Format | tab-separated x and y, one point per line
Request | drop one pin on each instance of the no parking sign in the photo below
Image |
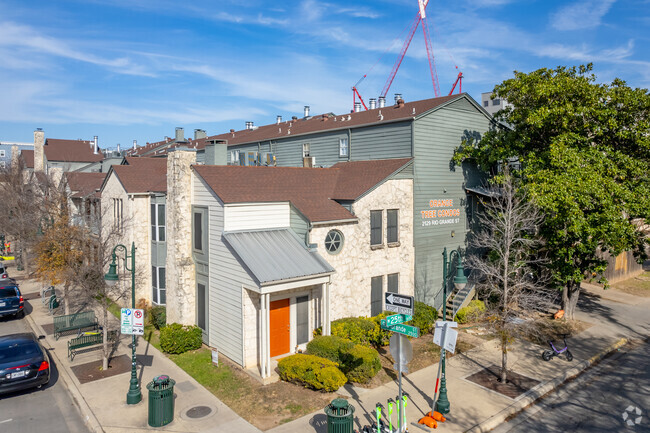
132	320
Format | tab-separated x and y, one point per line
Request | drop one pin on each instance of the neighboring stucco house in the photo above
133	208
278	252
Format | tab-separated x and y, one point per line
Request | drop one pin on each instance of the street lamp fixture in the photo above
442	404
134	395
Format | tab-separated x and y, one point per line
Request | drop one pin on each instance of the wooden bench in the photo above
74	322
88	339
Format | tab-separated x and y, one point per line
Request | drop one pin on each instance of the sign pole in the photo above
400	402
442	353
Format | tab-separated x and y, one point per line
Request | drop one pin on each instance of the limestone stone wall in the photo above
136	228
39	151
357	263
181	280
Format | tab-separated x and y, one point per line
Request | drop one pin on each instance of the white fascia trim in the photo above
293	284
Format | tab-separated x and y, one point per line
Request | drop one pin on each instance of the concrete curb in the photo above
91	420
541	390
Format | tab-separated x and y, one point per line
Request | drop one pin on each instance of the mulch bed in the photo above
515	385
93	370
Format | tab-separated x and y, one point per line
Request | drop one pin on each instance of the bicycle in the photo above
548	354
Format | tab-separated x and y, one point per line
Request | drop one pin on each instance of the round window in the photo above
334	241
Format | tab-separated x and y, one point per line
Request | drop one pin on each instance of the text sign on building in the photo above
397	318
436	216
400	328
132	321
397	303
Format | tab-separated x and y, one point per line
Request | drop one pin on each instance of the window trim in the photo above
204	230
344	153
341	244
306	147
381	294
155	226
388	278
155	285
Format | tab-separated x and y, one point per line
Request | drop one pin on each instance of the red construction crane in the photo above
420	17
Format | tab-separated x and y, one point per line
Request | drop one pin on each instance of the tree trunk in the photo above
570	295
504	358
105	338
66	302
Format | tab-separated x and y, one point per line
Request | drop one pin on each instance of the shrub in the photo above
360	363
176	338
380	337
359	330
312	372
471	312
424	317
329	347
158	316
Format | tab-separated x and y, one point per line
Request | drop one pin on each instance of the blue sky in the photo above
136	69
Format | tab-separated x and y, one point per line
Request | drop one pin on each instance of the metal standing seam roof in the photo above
277	255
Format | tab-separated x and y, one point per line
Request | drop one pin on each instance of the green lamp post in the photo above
134	395
442	404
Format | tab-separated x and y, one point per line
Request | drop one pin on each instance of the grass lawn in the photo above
637	286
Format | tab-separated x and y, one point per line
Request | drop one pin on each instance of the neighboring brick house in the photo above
133	206
278	252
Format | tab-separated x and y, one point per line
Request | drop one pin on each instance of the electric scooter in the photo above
548	354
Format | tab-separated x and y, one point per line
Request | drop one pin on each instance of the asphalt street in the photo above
612	397
49	409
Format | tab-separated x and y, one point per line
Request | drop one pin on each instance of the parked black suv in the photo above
11	301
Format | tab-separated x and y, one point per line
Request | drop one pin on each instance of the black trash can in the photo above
339	416
161	401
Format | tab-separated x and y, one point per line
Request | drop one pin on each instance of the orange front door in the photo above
279	329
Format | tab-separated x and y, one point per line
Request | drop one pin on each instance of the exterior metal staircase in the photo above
459	299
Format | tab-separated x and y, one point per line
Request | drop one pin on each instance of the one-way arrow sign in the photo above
397	303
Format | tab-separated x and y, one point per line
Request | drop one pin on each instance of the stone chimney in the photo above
14	156
39	150
181	283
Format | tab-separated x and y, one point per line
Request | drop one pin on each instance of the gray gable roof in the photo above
276	256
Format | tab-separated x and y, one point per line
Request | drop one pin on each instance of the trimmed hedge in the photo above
362	330
158	316
359	363
312	372
424	317
380	337
176	338
471	312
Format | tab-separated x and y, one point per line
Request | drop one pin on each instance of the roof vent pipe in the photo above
382	101
306	110
373	103
398	96
357	107
135	144
278	119
95	144
249	125
118	148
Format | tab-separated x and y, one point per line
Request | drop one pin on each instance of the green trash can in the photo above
339	416
161	401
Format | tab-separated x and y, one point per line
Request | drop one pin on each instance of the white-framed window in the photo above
334	241
234	157
302	319
305	150
343	146
159	295
158	233
118	214
2	153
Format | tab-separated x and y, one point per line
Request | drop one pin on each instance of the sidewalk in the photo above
473	408
103	402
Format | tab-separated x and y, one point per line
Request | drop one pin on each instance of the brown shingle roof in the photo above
85	184
28	157
70	151
143	175
312	191
390	113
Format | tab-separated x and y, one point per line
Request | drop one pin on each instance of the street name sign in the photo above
132	321
397	318
410	331
446	336
397	303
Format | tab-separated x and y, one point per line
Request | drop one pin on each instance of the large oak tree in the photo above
584	150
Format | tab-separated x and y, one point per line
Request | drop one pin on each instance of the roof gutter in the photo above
291	280
323	223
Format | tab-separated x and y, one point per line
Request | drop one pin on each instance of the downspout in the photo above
349	144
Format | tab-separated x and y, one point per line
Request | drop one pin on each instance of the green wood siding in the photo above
299	224
392	140
436	135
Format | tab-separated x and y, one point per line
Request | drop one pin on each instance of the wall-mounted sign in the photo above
436	216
